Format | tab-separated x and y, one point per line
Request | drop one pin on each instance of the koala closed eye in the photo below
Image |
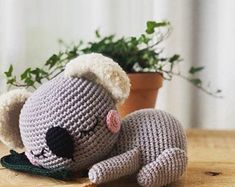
91	127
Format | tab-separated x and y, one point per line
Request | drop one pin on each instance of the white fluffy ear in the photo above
11	104
102	70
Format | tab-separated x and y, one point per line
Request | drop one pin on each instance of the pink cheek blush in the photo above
113	121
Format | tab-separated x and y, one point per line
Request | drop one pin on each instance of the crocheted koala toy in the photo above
71	123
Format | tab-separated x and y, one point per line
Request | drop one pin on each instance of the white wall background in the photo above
203	34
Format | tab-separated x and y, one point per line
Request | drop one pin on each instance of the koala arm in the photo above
113	168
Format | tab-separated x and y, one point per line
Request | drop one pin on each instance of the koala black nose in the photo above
60	142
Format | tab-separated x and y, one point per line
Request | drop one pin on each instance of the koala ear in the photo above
11	104
102	70
113	121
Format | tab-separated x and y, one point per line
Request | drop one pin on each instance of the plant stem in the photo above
199	86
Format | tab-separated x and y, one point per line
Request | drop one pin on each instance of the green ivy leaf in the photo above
9	72
26	74
151	25
72	54
163	59
194	70
35	71
174	58
11	80
39	74
97	33
52	61
29	82
196	81
143	39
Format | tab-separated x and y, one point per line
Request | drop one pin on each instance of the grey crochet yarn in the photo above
152	144
77	105
71	122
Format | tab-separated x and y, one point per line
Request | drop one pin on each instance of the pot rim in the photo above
145	81
144	73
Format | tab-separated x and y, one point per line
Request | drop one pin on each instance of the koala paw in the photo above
95	175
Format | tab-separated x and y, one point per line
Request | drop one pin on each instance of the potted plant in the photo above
141	57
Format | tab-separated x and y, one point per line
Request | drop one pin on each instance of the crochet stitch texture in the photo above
74	104
71	123
151	143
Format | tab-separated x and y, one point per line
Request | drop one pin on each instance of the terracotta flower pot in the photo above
143	94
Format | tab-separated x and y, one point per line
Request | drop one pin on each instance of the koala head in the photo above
71	121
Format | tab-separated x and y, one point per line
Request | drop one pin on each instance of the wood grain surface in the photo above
211	164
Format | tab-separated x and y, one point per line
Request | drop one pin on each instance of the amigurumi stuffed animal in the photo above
71	123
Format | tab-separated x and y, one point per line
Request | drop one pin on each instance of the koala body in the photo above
152	132
71	122
151	143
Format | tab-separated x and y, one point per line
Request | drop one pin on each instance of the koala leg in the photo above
115	167
167	168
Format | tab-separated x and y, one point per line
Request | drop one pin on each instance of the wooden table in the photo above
211	163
